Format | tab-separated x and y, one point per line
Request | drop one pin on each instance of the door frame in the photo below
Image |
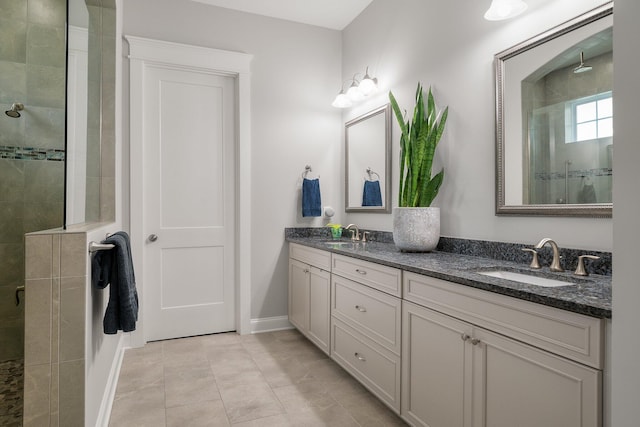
145	52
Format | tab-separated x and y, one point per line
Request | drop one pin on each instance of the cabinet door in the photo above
518	385
319	292
436	368
299	295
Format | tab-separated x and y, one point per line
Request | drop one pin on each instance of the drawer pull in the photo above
361	309
363	272
360	357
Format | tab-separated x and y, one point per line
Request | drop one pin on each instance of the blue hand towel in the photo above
115	267
311	204
371	195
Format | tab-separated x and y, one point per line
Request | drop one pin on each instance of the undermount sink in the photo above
526	278
338	243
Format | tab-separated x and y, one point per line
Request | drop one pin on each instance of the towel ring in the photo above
370	172
307	169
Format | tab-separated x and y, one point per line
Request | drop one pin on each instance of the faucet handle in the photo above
580	270
365	234
534	262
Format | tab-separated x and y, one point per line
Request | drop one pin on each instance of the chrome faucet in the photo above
555	264
355	236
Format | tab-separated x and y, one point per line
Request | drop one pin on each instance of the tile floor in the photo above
270	379
11	393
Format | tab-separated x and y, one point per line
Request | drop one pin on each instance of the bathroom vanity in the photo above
444	345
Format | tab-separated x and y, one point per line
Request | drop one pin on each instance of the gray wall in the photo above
626	232
449	46
32	71
295	74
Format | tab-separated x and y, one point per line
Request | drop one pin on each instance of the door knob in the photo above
152	237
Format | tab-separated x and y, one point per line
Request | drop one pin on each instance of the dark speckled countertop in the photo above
589	295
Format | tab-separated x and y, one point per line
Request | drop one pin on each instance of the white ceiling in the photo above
333	14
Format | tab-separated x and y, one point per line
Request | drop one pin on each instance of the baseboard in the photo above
268	324
110	390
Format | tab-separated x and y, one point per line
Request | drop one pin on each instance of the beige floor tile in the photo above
249	402
202	414
142	407
304	396
271	379
369	411
281	420
334	416
186	385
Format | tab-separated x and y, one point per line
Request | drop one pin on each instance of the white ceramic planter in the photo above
416	229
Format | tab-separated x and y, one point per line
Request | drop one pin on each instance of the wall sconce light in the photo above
504	9
358	91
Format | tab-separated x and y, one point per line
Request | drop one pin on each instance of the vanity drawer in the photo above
375	314
572	335
383	278
311	256
375	367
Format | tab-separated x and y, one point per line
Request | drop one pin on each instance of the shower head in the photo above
16	107
582	68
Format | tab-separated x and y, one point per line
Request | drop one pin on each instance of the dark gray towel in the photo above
115	267
587	194
311	204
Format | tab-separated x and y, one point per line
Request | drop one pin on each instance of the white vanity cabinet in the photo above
443	354
309	293
457	371
366	325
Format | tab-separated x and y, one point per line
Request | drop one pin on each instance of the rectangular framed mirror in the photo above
554	120
368	162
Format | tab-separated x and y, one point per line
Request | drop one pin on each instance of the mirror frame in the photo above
576	210
386	175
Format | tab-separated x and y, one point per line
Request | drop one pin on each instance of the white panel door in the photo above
188	202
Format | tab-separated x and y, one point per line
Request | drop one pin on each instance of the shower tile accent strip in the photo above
31	153
583	173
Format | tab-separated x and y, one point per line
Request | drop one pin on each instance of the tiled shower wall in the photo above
56	288
32	71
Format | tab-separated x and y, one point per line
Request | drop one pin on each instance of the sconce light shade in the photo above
368	85
354	93
504	9
341	101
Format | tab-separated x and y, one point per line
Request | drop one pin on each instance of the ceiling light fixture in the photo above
358	91
504	9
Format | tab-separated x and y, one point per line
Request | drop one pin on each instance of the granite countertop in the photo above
590	295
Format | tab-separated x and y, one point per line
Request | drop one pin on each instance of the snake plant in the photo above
418	142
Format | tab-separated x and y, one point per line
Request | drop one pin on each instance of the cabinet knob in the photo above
465	337
475	341
361	309
152	237
363	272
360	357
306	270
